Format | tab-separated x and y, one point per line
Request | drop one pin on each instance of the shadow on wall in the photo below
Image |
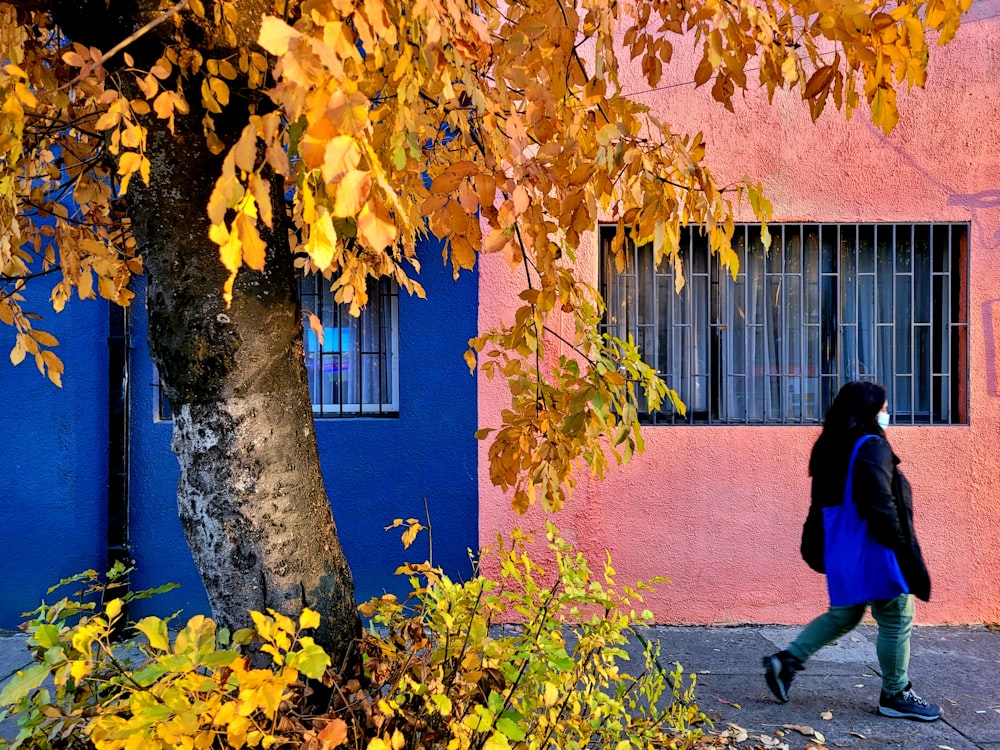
982	199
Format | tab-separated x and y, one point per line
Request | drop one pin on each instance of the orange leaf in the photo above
819	81
376	227
313	146
333	734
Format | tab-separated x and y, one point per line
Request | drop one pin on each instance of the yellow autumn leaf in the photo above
309	619
245	150
219	89
551	695
352	193
108	120
18	352
276	35
163	105
254	248
322	241
340	155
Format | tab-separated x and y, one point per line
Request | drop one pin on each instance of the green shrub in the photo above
443	671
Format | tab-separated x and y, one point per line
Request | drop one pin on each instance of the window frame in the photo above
636	305
383	299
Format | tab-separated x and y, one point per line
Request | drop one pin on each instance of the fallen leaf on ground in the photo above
807	731
858	734
737	733
771	742
826	715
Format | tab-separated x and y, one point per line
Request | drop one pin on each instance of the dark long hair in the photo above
853	413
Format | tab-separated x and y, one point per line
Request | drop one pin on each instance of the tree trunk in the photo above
251	496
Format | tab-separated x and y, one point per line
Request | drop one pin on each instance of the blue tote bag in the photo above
858	569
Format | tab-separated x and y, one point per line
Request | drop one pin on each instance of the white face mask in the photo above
883	419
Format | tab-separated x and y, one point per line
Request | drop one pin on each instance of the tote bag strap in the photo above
849	485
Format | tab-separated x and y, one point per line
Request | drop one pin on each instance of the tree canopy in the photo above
499	127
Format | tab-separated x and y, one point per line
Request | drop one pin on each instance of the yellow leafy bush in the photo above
197	688
445	670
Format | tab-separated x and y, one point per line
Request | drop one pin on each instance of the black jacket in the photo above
884	500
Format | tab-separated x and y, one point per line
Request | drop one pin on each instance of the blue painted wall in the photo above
54	454
156	540
375	469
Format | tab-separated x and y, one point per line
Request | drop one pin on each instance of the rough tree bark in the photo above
251	497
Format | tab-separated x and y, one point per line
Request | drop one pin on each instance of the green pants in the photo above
895	621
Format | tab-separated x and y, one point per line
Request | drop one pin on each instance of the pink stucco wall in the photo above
719	509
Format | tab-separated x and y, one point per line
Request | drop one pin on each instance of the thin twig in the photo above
104	57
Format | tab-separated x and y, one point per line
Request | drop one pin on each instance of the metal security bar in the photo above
827	303
353	371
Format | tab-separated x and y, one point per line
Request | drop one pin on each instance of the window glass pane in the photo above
902	400
848	353
775	253
942	399
866	249
774	401
904	326
828	325
793	326
904	244
774	330
922	370
866	325
884	274
885	359
793	249
921	275
828	244
755	380
848	279
941	341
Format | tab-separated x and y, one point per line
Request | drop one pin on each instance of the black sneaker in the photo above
779	671
907	705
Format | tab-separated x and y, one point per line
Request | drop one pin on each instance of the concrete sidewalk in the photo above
955	667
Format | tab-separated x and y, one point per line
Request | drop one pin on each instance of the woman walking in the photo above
853	445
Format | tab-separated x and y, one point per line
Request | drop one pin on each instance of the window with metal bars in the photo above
354	370
826	304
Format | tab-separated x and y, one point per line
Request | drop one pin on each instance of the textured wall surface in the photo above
719	509
54	454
